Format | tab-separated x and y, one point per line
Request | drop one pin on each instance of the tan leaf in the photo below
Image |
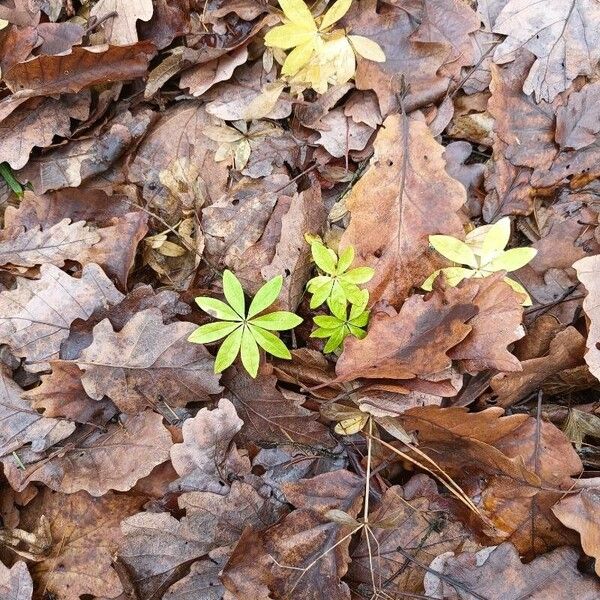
271	563
201	582
564	36
207	454
497	572
120	30
145	362
61	242
15	583
23	425
396	205
110	459
581	512
35	317
271	416
85	535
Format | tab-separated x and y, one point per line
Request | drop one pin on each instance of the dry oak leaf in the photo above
419	521
82	68
85	536
497	573
272	563
21	424
145	362
270	415
404	196
15	583
207	453
156	545
565	352
514	468
578	123
54	245
201	582
120	30
427	42
36	123
588	270
412	342
113	458
36	316
581	512
564	36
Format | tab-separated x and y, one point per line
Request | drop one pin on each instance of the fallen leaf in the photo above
497	572
37	314
145	362
580	512
563	36
201	582
16	583
120	29
408	177
111	459
270	416
577	123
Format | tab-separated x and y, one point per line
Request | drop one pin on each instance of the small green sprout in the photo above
483	251
339	325
7	174
337	280
244	332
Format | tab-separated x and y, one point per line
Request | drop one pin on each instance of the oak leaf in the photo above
36	316
407	176
145	362
15	583
120	30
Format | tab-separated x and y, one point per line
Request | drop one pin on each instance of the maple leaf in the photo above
483	251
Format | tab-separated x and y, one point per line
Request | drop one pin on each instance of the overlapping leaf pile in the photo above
148	146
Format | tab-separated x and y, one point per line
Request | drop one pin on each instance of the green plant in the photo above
341	323
483	251
7	174
337	281
244	331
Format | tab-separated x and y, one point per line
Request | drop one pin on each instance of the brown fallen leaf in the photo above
305	555
201	582
36	122
577	123
270	416
120	30
425	42
113	458
82	68
146	362
339	134
157	545
15	583
408	178
21	12
419	521
63	241
565	351
22	424
36	315
497	573
85	535
412	342
563	36
207	455
587	272
580	512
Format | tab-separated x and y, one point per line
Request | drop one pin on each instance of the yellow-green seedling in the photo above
483	252
244	332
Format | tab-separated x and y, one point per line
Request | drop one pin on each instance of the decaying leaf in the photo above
120	29
15	583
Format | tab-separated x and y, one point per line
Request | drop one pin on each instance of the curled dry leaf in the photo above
145	362
407	176
37	314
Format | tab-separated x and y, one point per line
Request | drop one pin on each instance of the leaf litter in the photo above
387	212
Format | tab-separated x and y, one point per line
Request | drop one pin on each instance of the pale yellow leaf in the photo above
511	260
170	249
335	13
222	134
367	48
495	239
515	285
297	58
241	154
298	12
264	103
352	425
453	249
288	36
